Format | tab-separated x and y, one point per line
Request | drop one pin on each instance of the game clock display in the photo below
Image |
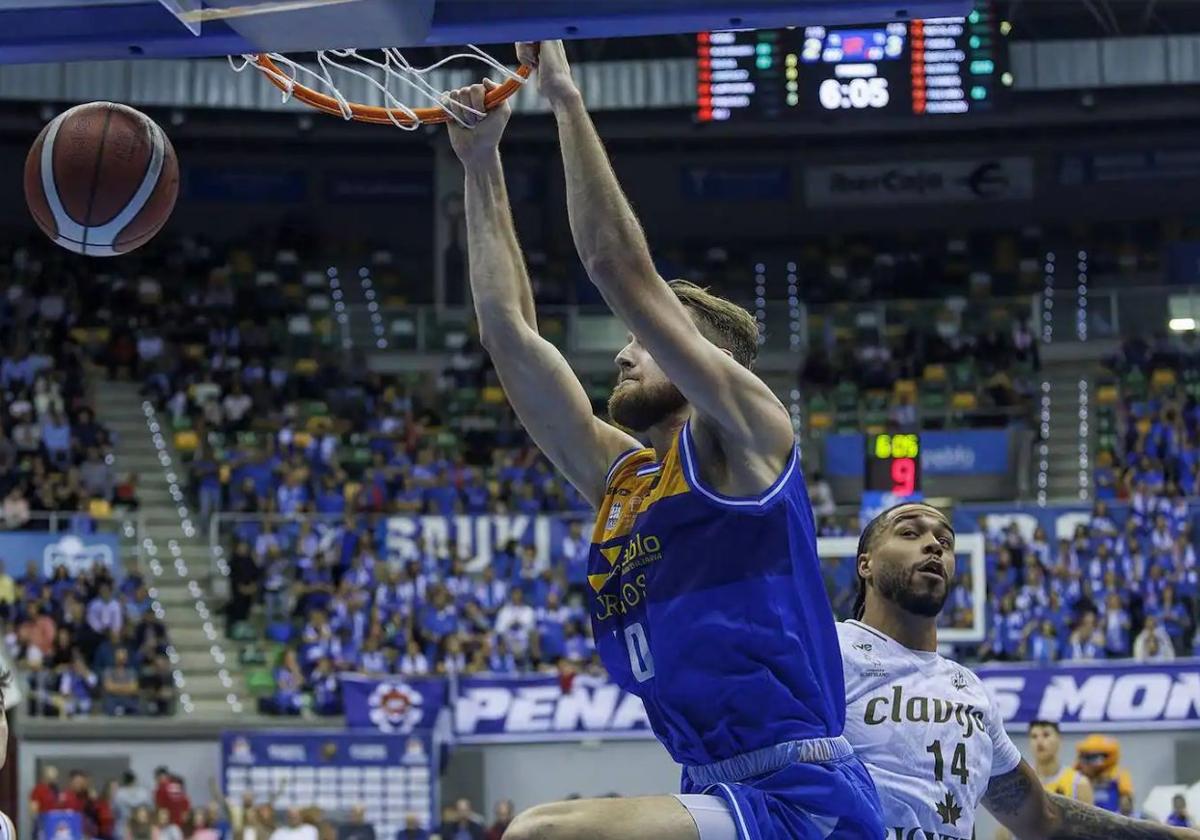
893	464
940	66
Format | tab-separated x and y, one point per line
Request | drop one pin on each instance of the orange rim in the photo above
376	114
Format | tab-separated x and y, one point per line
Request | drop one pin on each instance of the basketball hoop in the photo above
385	77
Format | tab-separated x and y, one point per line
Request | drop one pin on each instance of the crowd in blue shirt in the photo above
1158	436
339	603
1123	585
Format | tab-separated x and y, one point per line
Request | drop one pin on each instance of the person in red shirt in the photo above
45	794
171	795
106	820
48	795
504	816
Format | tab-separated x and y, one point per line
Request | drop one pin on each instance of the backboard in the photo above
76	30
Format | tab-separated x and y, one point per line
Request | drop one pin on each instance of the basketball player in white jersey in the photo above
7	830
928	732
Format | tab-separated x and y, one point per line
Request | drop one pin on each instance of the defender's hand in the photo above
477	136
553	72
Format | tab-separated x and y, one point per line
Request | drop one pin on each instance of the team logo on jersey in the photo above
395	707
614	516
874	667
959	680
949	810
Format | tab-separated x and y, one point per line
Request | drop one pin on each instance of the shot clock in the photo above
893	465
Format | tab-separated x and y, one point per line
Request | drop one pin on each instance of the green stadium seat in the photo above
260	682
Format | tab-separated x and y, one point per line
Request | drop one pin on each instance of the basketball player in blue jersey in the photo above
930	734
705	591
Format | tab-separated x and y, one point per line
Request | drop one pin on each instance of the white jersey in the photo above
927	731
7	830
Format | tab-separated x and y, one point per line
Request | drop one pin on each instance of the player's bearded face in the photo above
643	397
918	581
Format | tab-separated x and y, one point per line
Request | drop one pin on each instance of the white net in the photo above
378	86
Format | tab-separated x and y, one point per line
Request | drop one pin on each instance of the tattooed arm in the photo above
1020	803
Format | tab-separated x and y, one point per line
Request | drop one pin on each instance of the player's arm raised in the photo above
1020	803
541	386
741	409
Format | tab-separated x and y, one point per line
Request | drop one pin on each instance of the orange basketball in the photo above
101	179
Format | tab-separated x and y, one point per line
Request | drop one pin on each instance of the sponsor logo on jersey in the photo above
614	516
959	680
899	708
874	665
900	832
628	595
640	551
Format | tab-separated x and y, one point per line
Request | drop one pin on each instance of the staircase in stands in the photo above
1070	435
182	580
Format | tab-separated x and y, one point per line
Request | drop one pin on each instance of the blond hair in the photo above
722	322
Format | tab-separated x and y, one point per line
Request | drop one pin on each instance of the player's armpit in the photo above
1020	803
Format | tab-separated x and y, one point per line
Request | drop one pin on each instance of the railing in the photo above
787	326
61	522
1070	310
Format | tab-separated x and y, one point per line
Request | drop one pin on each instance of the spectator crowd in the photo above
1123	585
87	644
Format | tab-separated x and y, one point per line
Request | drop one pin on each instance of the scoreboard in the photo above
935	67
893	464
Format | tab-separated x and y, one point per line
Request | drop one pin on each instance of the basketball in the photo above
101	179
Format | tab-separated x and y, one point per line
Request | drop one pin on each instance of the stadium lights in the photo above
1182	324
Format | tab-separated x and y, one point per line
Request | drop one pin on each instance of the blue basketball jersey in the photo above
712	609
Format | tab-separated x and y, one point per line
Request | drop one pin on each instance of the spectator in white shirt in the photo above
516	621
236	404
296	829
413	663
104	614
1153	644
820	494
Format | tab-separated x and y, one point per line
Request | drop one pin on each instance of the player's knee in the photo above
543	822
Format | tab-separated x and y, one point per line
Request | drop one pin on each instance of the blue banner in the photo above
1184	261
390	776
730	182
536	708
393	705
1099	697
212	183
960	453
476	537
78	552
383	185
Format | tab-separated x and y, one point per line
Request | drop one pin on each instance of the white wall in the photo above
530	774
